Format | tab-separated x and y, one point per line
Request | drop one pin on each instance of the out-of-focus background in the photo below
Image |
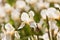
29	19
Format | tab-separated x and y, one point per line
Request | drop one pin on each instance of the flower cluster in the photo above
30	20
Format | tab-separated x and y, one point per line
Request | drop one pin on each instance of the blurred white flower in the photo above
50	12
22	25
32	2
53	26
25	17
31	13
17	35
33	24
7	8
45	36
27	8
54	1
58	35
20	4
41	5
2	12
9	32
15	15
56	5
9	27
43	13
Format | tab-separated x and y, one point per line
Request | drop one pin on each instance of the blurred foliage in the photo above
51	4
58	23
11	2
25	32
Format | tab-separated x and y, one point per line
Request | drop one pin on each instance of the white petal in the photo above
45	36
17	35
53	25
2	12
9	27
27	8
7	7
25	17
15	14
33	24
43	14
51	13
31	1
58	35
31	13
22	25
56	5
20	4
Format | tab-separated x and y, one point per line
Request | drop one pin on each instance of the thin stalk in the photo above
48	27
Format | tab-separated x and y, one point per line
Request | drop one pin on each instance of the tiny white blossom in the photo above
58	35
7	7
27	8
41	5
25	17
53	26
31	1
15	14
31	14
33	24
51	13
20	4
56	5
43	13
22	25
45	36
9	27
17	35
2	12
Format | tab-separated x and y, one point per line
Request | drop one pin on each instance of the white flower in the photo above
15	15
45	36
54	1
58	35
41	5
25	17
31	14
7	7
9	32
17	35
31	1
56	5
33	24
2	12
27	8
52	13
43	13
53	26
20	4
22	25
9	27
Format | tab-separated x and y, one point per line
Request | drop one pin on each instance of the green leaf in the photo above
11	2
